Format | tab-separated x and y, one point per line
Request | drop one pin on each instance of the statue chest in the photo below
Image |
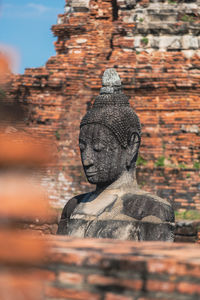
116	215
100	217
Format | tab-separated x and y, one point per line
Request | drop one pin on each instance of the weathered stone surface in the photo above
187	231
120	229
140	206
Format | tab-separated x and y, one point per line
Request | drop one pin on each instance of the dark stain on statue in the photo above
141	206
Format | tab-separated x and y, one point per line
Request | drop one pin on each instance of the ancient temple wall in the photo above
122	270
155	47
97	269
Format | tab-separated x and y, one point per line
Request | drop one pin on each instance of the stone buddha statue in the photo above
109	141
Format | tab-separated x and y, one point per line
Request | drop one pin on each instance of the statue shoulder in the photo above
66	213
143	206
71	205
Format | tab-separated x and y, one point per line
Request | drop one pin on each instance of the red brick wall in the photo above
155	48
97	269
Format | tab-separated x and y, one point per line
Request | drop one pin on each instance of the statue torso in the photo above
129	214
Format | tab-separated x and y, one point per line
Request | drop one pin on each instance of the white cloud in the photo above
38	7
29	10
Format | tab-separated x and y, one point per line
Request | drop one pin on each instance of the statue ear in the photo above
132	149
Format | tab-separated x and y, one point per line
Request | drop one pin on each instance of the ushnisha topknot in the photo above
112	109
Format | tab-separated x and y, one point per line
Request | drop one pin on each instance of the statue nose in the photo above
88	162
87	157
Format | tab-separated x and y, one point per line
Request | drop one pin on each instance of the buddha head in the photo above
109	134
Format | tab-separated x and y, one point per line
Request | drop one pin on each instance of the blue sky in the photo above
25	27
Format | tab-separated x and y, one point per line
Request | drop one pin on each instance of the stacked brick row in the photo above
187	231
122	270
22	201
155	47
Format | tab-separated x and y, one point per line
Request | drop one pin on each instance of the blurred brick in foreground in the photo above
103	269
20	149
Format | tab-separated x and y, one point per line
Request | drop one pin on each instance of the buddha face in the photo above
102	156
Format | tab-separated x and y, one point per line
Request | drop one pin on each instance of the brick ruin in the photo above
155	47
122	270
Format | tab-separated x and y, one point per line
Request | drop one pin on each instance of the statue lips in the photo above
89	174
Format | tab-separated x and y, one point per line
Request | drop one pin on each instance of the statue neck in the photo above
127	180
